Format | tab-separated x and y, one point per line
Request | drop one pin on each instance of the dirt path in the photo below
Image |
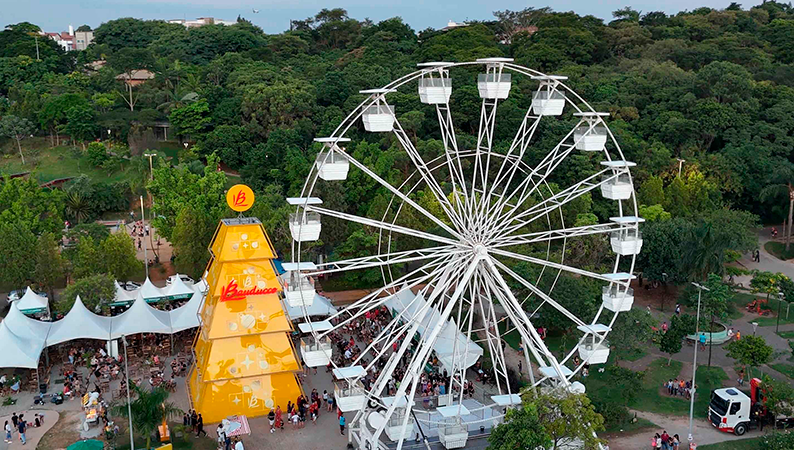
703	432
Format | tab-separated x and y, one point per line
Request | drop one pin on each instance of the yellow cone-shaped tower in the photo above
244	359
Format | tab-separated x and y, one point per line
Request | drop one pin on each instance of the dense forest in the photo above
712	87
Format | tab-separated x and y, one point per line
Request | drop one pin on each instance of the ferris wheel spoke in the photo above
557	200
493	336
368	262
382	225
550	235
402	196
539	293
452	213
448	137
534	345
524	190
553	265
374	299
421	356
520	143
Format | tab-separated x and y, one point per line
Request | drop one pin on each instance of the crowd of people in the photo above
665	442
20	425
676	387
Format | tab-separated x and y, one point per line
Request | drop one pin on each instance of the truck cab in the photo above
730	410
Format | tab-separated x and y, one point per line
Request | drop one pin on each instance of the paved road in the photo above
703	431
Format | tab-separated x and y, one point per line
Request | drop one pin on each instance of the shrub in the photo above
783	440
614	413
97	153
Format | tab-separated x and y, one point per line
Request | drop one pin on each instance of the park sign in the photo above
240	198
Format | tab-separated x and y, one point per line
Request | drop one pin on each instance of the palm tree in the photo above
149	410
705	253
77	208
782	185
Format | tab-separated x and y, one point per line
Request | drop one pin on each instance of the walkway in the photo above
32	434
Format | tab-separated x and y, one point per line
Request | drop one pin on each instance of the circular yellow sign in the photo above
240	198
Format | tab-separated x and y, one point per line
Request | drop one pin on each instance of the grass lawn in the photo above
738	444
778	249
785	369
60	162
786	334
648	397
771	320
641	424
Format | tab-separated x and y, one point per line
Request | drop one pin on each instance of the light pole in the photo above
755	325
143	224
150	156
779	302
680	163
127	375
695	362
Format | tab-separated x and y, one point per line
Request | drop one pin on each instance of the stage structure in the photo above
244	359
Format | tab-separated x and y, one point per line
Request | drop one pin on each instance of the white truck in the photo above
732	411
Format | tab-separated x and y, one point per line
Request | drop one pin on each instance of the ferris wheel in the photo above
450	238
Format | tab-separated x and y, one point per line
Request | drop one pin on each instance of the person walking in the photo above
342	424
221	436
22	428
665	439
193	420
7	429
200	426
271	417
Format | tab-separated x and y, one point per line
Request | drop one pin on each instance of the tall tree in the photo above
49	269
781	185
16	128
672	340
119	257
18	264
630	332
567	418
95	291
750	351
521	429
192	234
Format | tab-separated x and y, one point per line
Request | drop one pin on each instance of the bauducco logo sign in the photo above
230	292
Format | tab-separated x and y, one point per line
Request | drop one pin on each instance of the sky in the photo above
274	15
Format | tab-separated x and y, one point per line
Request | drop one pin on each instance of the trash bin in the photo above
43	388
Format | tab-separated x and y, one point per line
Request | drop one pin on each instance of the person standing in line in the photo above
342	424
200	426
7	429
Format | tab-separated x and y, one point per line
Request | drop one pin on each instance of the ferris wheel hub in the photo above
479	250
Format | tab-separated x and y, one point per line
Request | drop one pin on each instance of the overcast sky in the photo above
274	15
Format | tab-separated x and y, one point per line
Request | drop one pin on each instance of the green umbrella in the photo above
88	444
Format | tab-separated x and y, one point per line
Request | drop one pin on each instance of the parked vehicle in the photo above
732	411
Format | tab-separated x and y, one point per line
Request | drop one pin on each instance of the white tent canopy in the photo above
186	316
450	345
321	306
79	323
140	318
24	326
123	295
32	302
149	291
178	289
17	350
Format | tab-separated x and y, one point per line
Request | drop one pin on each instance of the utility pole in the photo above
143	224
150	156
37	48
129	404
695	362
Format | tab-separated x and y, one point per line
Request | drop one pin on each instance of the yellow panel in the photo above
245	356
235	241
243	275
253	396
252	315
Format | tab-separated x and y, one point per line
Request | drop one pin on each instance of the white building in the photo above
201	21
71	40
451	25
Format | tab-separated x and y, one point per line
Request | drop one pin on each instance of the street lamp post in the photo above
755	325
680	164
779	302
143	224
127	376
151	170
695	362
